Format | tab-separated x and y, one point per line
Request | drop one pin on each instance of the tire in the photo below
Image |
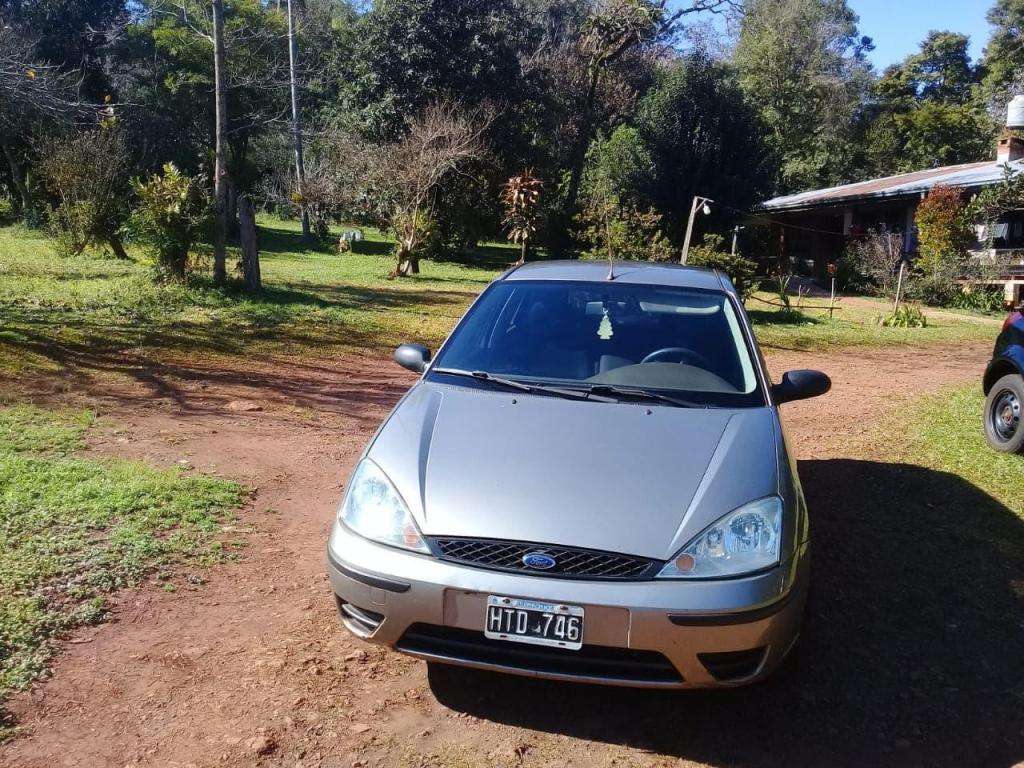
1004	415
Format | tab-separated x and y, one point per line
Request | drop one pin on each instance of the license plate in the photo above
529	621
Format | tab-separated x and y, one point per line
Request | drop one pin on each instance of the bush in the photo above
172	210
7	214
907	316
980	299
86	179
933	290
943	234
711	254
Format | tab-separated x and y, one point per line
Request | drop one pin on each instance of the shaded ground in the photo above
896	667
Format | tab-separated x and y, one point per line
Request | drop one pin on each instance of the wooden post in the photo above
250	246
899	285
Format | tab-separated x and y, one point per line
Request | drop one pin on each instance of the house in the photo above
809	230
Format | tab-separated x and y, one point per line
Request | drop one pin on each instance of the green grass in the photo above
945	434
59	316
855	323
73	530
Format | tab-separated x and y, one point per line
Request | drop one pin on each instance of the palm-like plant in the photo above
521	198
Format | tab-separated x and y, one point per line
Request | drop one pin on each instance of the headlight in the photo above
374	510
747	539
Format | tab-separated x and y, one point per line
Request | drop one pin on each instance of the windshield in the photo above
671	340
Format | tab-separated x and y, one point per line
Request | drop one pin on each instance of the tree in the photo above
1003	60
169	217
703	137
300	165
926	111
414	52
521	199
943	233
33	95
69	34
87	175
220	173
803	63
439	142
613	221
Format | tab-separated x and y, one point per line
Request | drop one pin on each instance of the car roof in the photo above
637	272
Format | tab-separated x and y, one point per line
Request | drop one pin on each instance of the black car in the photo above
1004	388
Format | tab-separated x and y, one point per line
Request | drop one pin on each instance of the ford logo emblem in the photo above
539	560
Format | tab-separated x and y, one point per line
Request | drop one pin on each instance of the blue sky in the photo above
898	26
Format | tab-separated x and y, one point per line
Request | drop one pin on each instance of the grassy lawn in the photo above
56	313
945	434
89	312
73	530
854	323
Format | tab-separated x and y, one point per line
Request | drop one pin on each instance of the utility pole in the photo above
300	165
698	202
220	172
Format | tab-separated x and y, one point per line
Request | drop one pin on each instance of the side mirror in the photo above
414	357
800	385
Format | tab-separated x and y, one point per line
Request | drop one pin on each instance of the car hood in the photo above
622	477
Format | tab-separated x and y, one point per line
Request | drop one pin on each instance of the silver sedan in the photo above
590	482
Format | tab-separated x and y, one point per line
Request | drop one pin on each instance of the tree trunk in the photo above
300	165
20	182
250	246
408	263
220	238
232	216
114	241
560	240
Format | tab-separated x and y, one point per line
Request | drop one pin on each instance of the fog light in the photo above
685	563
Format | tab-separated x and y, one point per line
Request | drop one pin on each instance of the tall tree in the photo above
803	63
927	112
300	165
705	138
1003	60
70	34
220	173
34	94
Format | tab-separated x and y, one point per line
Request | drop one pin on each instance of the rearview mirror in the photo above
413	357
800	385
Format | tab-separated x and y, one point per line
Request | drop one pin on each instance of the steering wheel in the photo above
682	353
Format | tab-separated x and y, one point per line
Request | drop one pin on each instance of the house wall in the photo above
806	242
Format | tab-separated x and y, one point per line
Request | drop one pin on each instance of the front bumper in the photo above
712	633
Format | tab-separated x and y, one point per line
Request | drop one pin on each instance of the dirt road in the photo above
253	668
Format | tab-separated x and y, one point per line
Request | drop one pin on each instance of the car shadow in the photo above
912	651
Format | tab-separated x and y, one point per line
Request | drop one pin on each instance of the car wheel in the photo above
1003	412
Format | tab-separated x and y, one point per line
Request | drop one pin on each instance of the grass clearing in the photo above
854	323
945	433
73	530
58	315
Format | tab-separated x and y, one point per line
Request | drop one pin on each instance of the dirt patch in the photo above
253	668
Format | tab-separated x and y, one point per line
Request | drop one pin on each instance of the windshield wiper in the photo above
522	386
642	394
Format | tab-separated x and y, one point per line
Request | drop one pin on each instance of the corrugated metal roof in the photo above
903	185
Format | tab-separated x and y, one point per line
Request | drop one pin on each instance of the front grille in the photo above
570	562
614	665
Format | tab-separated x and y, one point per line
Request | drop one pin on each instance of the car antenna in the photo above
611	269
